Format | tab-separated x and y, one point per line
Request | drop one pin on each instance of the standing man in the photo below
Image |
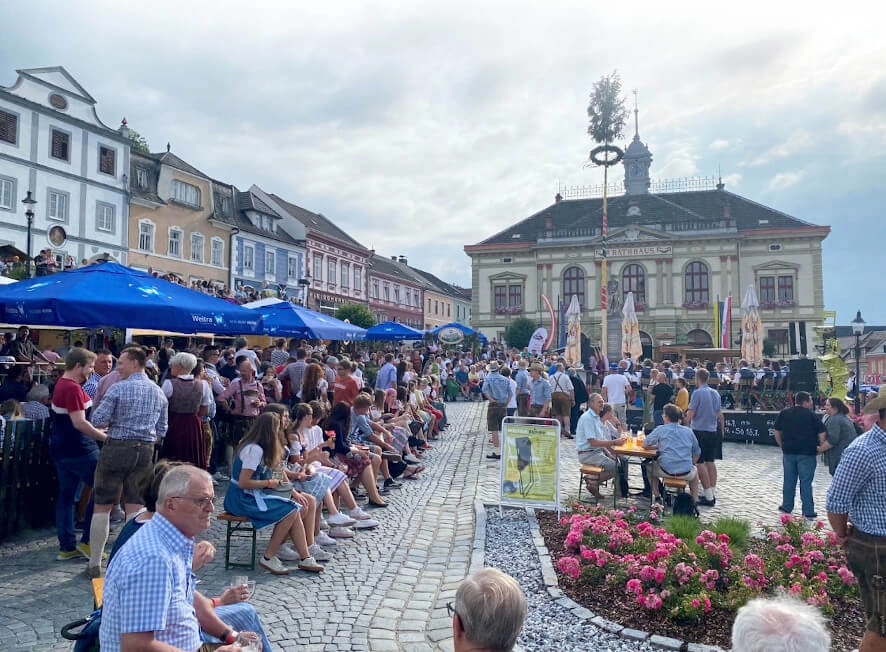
135	411
497	390
562	398
580	395
539	392
104	361
73	449
149	590
488	613
294	373
801	435
705	417
522	380
855	511
387	375
23	349
616	388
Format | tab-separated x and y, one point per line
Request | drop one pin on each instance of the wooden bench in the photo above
589	471
98	591
240	527
673	486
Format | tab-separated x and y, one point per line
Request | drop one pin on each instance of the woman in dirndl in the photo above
185	440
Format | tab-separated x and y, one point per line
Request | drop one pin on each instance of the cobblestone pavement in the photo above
387	589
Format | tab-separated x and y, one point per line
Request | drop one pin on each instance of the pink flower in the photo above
647	573
659	575
785	519
653	601
569	566
634	586
696	603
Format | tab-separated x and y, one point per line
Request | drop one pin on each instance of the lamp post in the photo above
29	202
857	330
305	284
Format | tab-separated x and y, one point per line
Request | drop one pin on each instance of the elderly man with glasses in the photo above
488	612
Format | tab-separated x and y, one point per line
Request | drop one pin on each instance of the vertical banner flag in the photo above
726	323
530	462
718	335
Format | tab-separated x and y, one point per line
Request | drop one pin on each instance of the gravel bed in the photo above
549	626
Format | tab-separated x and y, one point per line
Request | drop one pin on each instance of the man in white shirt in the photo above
242	346
616	389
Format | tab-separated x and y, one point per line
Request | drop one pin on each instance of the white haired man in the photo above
488	613
779	625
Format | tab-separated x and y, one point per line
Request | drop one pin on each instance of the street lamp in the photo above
305	283
29	213
857	330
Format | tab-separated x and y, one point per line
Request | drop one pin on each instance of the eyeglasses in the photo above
451	610
202	502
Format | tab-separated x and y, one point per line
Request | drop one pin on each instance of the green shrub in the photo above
738	530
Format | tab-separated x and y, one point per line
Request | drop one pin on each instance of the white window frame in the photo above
318	267
217	252
9	183
58	216
358	278
141	178
180	240
18	126
345	275
331	271
197	252
270	263
292	267
98	166
105	217
70	144
249	258
143	232
186	193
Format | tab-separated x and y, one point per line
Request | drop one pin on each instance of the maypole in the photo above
607	118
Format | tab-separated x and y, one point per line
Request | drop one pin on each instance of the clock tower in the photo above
637	160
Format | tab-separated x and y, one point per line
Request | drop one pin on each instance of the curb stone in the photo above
552	585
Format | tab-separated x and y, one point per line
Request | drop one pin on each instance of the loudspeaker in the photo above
802	376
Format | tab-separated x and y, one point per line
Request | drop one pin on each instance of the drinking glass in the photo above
249	642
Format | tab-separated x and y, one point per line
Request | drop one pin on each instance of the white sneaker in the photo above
341	533
367	524
341	519
310	564
325	540
273	565
323	524
319	553
358	514
287	553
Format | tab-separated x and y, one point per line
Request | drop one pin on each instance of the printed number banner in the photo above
530	469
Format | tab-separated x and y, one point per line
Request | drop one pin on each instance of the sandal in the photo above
593	487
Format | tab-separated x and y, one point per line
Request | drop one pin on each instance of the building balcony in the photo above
781	303
508	310
696	305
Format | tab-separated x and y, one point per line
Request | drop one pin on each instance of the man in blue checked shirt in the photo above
855	504
149	588
497	390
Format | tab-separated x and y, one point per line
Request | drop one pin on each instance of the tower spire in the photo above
636	116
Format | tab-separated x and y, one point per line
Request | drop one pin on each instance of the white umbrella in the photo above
751	336
630	329
573	333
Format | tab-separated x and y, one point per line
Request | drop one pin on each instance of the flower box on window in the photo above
695	305
516	310
781	303
501	310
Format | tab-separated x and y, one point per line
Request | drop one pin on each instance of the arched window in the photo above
633	279
574	285
699	338
697	294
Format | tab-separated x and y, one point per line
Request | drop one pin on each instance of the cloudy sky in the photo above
421	127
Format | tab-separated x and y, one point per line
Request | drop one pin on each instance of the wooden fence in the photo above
28	483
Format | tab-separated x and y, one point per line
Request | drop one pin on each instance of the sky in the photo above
425	126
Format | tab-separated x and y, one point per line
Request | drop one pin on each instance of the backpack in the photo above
684	506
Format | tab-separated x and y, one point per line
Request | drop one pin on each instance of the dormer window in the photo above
185	193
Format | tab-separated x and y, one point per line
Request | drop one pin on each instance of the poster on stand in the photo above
530	463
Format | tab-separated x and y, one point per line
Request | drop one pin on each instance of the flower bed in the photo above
695	579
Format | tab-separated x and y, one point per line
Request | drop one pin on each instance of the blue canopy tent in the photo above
108	294
392	330
290	320
448	328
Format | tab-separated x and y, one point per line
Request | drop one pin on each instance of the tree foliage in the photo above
519	331
357	314
138	142
606	110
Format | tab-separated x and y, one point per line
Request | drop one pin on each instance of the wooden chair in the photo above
239	527
672	487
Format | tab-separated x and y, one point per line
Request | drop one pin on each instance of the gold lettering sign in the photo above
620	252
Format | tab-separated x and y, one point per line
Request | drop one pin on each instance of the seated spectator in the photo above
362	465
488	612
11	410
593	443
779	625
148	591
230	609
16	384
678	451
35	408
250	494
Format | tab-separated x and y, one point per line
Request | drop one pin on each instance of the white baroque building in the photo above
678	252
53	143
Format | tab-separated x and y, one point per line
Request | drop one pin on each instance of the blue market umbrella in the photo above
392	330
109	294
291	320
448	330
